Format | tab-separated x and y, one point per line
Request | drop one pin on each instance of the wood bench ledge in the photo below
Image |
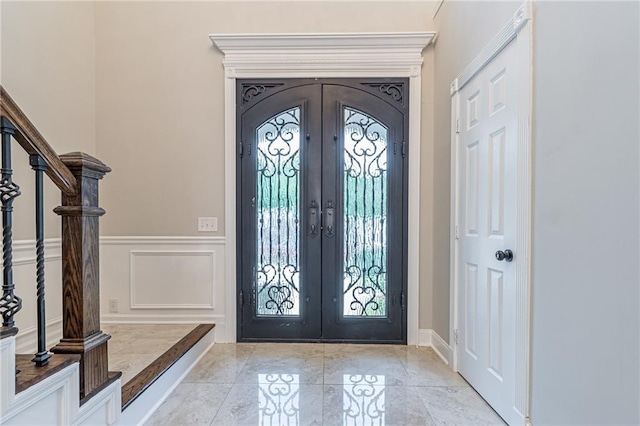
134	387
30	375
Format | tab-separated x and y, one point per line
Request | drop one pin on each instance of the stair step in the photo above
30	375
134	388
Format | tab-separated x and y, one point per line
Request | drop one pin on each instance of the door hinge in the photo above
241	298
457	125
402	301
404	149
395	148
393	300
455	337
457	232
240	149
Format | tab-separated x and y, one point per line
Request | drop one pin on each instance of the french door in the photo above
321	210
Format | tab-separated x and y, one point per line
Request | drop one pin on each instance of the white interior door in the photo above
487	159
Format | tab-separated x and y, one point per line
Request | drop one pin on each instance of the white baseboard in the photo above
429	338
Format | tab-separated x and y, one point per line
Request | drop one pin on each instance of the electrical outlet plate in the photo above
207	224
113	306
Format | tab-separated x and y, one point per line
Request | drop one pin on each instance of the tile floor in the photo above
322	384
132	347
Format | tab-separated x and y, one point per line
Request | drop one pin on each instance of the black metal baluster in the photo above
39	166
10	304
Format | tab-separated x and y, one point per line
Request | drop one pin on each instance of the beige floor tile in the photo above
280	400
457	406
191	404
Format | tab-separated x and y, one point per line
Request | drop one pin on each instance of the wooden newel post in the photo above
80	273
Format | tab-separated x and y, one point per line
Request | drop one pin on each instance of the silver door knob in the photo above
506	255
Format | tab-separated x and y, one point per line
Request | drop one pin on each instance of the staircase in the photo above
71	385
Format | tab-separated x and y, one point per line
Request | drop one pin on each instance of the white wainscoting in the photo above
430	338
163	280
24	277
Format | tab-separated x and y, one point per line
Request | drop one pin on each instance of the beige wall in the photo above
47	65
159	105
160	98
586	178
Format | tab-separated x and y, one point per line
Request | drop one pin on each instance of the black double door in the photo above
321	210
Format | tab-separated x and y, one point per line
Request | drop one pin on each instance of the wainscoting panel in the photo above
163	280
194	268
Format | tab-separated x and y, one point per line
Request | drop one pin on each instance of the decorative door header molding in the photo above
323	55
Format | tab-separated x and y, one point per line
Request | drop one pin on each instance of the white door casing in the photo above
491	151
356	55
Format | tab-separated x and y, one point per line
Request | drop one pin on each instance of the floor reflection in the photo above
363	400
279	399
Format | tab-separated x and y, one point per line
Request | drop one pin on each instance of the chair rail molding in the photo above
329	55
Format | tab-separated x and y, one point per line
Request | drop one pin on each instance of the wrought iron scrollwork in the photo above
10	304
394	90
277	212
252	91
365	215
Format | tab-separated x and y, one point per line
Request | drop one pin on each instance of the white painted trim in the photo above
65	383
108	400
24	251
162	240
453	251
519	30
441	347
437	8
429	338
159	253
509	32
7	369
424	337
323	56
524	212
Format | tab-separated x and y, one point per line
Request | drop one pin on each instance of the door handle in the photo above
506	255
329	212
313	218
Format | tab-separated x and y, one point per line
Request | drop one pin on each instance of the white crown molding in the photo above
327	55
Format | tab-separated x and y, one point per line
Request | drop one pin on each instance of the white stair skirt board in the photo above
429	338
54	400
144	405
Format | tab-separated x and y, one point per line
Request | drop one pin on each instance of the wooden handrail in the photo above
34	143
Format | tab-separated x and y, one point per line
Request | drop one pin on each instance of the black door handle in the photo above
313	218
329	211
506	255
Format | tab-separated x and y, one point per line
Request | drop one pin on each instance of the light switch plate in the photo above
207	224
